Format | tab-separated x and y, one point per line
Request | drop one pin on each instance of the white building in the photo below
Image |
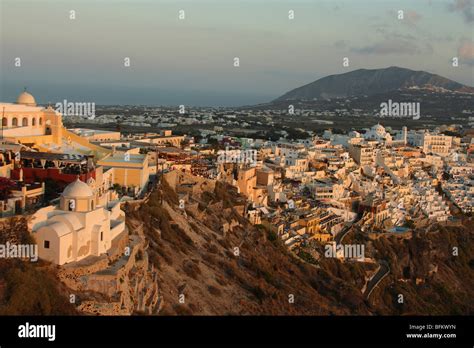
324	190
431	143
437	144
78	227
378	133
363	152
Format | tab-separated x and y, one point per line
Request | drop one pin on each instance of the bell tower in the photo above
54	124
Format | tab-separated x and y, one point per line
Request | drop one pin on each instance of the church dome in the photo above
378	128
26	98
77	189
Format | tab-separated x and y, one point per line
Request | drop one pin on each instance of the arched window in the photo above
33	121
14	122
40	121
4	122
24	122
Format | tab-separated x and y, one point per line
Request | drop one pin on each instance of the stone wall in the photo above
119	284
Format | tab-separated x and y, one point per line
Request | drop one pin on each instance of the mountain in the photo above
369	82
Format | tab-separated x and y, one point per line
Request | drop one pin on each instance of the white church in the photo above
78	227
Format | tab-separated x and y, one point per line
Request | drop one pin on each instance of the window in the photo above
4	122
40	121
46	244
14	122
101	236
33	122
24	122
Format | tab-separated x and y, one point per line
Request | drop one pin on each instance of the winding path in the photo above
383	271
340	236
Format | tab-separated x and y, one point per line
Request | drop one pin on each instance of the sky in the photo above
190	61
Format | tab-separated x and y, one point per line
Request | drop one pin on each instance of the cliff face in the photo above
212	261
120	283
434	271
189	251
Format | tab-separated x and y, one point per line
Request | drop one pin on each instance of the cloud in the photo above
419	34
389	34
463	6
394	46
466	52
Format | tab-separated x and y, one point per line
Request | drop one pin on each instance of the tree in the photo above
6	188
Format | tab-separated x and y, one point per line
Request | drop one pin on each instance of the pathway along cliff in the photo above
383	271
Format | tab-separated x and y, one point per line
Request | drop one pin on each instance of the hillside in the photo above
195	257
29	288
192	252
